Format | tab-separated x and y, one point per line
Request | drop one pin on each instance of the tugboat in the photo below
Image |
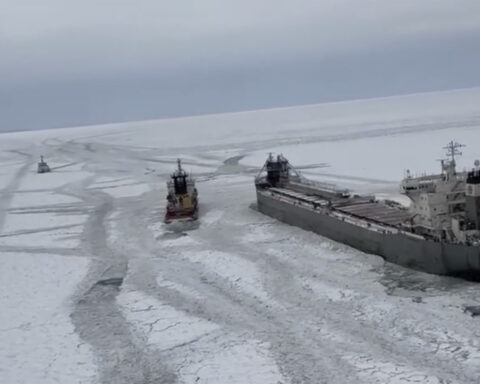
182	200
439	233
42	166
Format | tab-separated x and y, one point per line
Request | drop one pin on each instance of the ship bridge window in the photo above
180	185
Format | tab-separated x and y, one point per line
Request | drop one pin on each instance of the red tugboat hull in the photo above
183	216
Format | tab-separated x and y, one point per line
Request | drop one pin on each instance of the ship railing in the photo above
368	224
425	179
362	222
374	226
322	186
371	225
319	184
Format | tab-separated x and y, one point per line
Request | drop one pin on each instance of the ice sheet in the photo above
234	296
39	343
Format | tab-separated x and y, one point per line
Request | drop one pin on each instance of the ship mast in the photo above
450	164
453	150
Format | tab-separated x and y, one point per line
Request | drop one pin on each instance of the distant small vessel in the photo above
182	197
42	166
439	233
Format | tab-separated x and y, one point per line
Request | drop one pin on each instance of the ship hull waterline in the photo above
181	217
408	251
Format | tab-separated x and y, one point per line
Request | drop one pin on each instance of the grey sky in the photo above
66	62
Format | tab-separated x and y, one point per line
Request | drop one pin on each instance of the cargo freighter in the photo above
438	233
182	196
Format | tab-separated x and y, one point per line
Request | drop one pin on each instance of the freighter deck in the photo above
299	196
377	212
360	208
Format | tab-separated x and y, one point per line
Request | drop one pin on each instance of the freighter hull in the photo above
400	248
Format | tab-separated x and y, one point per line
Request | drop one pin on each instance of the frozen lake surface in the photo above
96	289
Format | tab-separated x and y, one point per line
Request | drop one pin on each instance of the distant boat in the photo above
42	166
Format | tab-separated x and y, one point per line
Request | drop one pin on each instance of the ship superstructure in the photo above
182	196
438	207
438	233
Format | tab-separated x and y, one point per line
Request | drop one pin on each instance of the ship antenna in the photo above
179	162
442	164
453	150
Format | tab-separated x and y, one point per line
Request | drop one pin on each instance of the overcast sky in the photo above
66	62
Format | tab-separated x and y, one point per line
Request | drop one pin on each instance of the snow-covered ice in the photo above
96	289
163	326
39	343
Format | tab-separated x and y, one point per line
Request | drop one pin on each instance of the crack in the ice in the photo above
193	341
